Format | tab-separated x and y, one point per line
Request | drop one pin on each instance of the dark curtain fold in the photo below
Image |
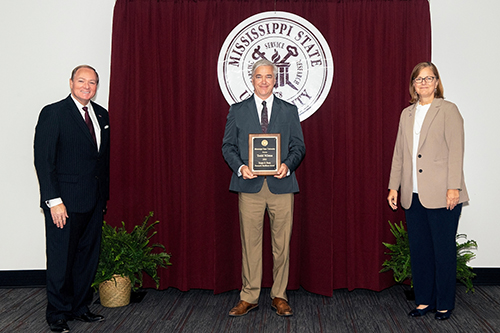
168	116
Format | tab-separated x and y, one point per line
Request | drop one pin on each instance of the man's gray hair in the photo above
264	62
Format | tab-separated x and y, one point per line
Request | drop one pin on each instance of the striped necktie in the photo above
88	121
264	121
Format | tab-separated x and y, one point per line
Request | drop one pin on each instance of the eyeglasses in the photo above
427	79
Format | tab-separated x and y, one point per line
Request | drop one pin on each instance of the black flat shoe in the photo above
59	326
421	312
89	317
443	315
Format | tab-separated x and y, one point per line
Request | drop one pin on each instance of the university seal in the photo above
295	46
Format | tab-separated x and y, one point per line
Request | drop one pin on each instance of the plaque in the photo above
264	153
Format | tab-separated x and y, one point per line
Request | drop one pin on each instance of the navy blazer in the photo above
242	120
67	161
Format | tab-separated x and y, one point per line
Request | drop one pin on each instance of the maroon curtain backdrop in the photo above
168	116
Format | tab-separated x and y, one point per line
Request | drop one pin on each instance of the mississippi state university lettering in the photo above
295	46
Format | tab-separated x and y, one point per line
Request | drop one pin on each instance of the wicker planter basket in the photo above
115	292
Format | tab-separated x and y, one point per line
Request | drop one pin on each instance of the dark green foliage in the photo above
400	254
464	255
130	254
400	257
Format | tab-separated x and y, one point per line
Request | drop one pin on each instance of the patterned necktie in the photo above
264	121
88	121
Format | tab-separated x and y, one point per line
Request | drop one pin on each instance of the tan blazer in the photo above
439	159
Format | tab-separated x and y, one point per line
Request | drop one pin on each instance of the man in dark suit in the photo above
263	112
71	150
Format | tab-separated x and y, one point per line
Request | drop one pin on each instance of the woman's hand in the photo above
392	199
452	197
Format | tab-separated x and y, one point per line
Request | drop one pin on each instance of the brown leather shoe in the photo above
282	308
242	308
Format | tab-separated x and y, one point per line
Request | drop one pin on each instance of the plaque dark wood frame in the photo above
271	136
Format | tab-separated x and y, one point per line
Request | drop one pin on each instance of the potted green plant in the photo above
400	262
123	259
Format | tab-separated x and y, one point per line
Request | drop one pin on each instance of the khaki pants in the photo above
252	207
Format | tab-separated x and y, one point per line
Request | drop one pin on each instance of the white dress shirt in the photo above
269	105
93	117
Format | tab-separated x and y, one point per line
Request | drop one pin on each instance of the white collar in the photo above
269	100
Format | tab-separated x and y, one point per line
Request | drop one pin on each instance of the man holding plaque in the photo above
263	113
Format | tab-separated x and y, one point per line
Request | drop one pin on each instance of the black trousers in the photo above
433	252
72	258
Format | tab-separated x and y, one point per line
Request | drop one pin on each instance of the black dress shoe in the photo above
59	326
421	312
89	317
443	315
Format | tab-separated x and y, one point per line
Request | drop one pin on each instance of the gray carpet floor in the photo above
23	310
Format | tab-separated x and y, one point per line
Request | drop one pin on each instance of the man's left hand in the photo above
59	215
282	171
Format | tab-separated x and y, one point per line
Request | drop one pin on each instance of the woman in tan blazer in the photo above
427	168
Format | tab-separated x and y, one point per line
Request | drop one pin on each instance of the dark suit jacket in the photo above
242	120
67	162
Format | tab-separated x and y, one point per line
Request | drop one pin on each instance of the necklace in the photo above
417	125
419	117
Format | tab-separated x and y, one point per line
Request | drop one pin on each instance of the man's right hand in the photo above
246	173
59	215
